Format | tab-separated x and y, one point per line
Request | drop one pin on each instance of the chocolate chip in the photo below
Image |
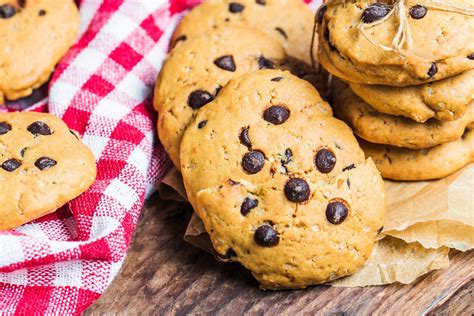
351	166
325	160
277	79
199	98
375	12
7	11
282	32
41	13
39	128
45	163
253	161
226	62
276	114
288	157
266	236
471	56
5	128
244	137
418	12
202	124
248	205
297	190
22	3
336	211
235	7
321	13
11	165
261	2
264	63
23	151
433	70
379	230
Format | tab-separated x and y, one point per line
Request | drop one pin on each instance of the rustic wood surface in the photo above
164	275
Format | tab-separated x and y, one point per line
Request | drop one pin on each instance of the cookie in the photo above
422	164
195	71
444	100
442	42
398	131
34	35
43	165
281	187
288	21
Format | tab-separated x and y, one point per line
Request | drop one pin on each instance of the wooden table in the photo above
162	274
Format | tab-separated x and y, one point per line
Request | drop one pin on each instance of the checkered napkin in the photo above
62	262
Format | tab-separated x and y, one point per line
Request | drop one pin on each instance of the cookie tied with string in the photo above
397	43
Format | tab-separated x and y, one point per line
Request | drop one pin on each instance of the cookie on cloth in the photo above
195	71
43	165
281	187
393	130
288	21
34	35
422	164
438	43
444	100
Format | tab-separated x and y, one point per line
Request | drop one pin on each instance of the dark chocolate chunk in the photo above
244	137
433	70
264	63
321	13
199	98
375	12
202	124
226	62
235	7
261	2
351	166
277	79
41	13
248	205
336	211
23	151
470	56
288	157
7	11
418	11
276	114
5	128
253	161
45	163
282	32
325	160
266	236
11	165
297	190
39	128
379	230
21	3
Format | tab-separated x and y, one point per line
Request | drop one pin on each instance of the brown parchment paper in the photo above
424	220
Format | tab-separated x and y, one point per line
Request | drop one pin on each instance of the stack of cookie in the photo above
408	90
280	184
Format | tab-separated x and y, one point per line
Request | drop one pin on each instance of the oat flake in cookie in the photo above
43	165
311	197
34	35
197	69
441	41
288	21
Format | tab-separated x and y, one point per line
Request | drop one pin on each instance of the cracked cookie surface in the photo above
393	130
281	186
34	36
195	71
43	165
438	48
288	21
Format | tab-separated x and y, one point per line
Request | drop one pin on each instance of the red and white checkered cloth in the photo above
62	262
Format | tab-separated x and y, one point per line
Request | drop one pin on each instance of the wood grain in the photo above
164	275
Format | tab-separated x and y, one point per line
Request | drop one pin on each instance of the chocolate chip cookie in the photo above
422	164
444	100
398	131
288	21
195	71
34	36
436	45
281	187
43	165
